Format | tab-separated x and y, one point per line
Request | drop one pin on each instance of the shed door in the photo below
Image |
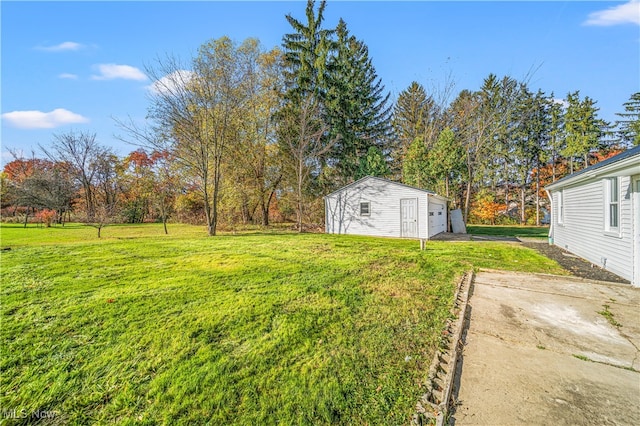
409	217
437	218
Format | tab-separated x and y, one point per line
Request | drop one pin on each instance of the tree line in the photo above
240	134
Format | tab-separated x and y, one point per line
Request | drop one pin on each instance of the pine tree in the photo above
583	128
307	51
410	115
303	135
356	105
557	142
445	162
416	164
629	124
373	164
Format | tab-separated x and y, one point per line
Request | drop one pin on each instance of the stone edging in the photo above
435	404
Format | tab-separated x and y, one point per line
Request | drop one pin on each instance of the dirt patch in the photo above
573	264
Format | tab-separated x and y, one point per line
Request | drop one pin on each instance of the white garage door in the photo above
437	217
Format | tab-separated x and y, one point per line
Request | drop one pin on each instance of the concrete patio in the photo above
543	349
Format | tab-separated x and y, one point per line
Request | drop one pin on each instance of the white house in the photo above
596	214
380	207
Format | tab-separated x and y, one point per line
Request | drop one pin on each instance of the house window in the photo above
612	204
561	206
365	209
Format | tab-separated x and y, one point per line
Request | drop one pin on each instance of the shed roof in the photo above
382	180
624	158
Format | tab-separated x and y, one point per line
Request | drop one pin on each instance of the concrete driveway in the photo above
543	350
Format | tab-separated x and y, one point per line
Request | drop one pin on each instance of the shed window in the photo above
612	204
365	209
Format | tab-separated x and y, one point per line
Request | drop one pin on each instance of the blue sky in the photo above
75	65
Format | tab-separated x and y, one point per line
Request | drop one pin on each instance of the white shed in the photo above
380	207
596	214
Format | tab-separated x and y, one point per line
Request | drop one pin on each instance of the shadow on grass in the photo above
509	231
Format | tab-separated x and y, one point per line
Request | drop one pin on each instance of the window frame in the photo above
368	208
561	207
611	200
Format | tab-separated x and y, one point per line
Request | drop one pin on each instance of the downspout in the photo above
426	225
551	213
326	216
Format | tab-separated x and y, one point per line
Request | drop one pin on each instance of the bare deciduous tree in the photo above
82	152
194	113
303	141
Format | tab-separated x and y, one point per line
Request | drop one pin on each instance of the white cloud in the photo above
114	71
561	102
62	47
170	82
43	120
628	13
68	76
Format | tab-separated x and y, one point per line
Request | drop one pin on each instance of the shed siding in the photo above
438	222
342	209
583	229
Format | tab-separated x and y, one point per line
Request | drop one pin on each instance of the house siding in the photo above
582	231
342	209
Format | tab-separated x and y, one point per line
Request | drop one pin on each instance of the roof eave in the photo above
627	167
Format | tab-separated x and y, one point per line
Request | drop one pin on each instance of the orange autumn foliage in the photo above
486	209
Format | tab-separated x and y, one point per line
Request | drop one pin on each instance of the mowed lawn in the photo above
253	328
509	230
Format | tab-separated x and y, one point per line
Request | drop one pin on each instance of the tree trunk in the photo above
538	197
214	214
467	201
208	215
244	209
265	214
26	216
272	192
300	166
446	186
89	201
523	216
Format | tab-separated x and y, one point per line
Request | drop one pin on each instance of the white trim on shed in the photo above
395	210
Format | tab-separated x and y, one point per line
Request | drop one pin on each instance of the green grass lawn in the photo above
253	328
509	231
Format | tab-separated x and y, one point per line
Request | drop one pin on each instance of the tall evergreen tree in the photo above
415	165
628	131
557	142
306	53
373	164
530	139
303	135
583	128
410	115
446	162
356	105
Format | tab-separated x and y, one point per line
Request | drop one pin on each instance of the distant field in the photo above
509	231
253	328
